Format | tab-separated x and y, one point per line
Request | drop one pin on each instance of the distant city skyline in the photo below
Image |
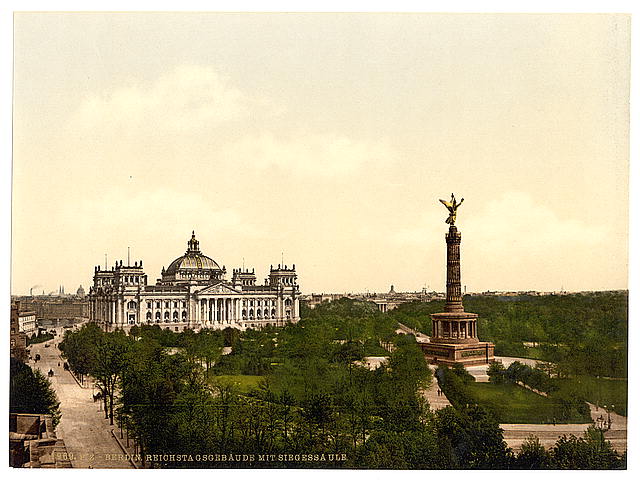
326	140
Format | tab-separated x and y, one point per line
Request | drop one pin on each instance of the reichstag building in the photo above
193	294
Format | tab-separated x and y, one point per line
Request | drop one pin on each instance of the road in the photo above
86	434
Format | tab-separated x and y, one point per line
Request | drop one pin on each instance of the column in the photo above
454	294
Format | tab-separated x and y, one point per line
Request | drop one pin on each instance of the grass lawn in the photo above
242	382
513	404
599	391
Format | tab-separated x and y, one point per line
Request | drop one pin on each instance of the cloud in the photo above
515	221
517	242
194	112
325	155
189	97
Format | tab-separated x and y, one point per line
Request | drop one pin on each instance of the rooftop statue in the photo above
452	207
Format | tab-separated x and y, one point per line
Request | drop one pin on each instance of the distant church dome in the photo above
192	265
80	292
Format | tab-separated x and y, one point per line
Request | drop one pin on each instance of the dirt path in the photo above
86	434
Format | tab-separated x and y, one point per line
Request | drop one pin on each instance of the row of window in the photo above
258	314
176	304
124	279
167	315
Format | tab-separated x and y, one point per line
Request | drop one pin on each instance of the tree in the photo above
533	455
592	451
471	438
79	348
30	392
496	372
109	365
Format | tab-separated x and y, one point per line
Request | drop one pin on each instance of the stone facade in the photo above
193	294
455	332
33	443
17	339
27	322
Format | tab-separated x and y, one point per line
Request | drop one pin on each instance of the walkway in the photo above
547	434
86	434
431	394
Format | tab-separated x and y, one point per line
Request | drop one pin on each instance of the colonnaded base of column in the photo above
469	354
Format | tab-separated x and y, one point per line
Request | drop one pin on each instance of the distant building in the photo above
193	293
54	308
80	292
27	322
17	338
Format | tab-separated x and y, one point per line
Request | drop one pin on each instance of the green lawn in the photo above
599	391
513	404
242	382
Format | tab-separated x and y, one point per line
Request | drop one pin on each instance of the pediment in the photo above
217	289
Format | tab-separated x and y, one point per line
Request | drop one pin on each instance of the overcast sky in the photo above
327	137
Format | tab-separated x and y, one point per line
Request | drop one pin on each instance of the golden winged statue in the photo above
452	207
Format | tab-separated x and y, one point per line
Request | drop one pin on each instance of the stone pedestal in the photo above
470	354
454	336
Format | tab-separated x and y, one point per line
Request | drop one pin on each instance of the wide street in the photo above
83	428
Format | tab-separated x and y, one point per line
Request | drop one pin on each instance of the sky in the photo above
326	140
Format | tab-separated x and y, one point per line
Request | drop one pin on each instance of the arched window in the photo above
259	313
273	313
158	316
287	302
166	315
244	313
175	316
148	316
250	313
184	315
131	305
